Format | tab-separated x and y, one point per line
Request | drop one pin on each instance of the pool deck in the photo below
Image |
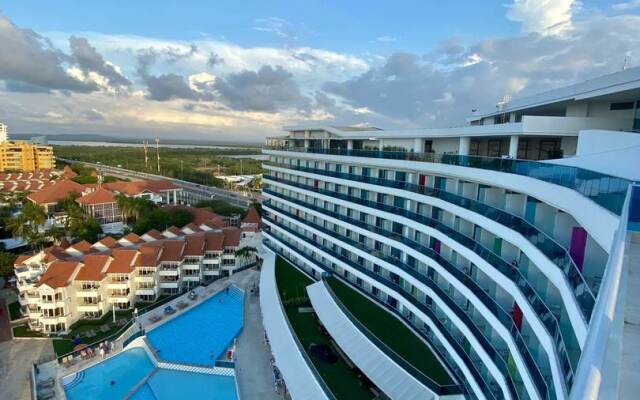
254	374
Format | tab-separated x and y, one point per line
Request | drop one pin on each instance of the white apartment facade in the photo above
57	287
492	241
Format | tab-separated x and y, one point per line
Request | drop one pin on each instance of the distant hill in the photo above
103	138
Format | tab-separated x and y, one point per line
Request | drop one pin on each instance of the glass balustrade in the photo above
491	392
549	247
607	191
568	360
504	317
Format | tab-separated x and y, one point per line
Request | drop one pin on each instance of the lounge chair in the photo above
46	395
169	310
47	383
91	333
104	328
155	318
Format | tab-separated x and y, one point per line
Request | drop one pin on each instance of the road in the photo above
194	191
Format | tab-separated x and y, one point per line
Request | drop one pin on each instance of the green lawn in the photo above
341	379
392	332
14	311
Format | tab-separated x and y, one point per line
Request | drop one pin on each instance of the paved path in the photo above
5	322
253	366
16	359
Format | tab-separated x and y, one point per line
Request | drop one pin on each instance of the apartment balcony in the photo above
541	240
169	285
144	278
607	191
485	341
489	391
90	307
120	298
190	267
539	305
146	291
190	278
47	320
94	292
170	272
211	261
117	284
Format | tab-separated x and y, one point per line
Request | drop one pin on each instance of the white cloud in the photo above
543	16
386	39
626	6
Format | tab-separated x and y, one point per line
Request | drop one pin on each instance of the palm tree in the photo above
124	205
26	225
245	252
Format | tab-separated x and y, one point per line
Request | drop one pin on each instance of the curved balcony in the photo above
460	351
548	319
495	356
500	314
605	190
545	243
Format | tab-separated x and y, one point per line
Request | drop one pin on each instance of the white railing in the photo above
589	377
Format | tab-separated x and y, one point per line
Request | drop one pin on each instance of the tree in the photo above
161	219
246	252
89	230
6	264
221	207
26	224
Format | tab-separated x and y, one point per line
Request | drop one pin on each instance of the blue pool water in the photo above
125	370
169	384
202	334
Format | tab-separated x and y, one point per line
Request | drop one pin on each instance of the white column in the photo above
464	146
175	197
350	144
513	146
418	145
380	144
306	144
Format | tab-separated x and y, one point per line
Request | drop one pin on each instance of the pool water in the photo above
169	384
201	335
125	370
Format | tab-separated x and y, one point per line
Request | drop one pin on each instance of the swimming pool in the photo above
125	370
201	335
168	384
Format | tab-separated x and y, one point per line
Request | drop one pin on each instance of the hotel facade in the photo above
497	243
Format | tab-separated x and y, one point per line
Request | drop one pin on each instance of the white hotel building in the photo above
504	244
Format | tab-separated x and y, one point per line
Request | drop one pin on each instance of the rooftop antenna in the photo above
624	64
145	143
158	152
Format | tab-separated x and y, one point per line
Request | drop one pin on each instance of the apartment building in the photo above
493	242
59	286
22	156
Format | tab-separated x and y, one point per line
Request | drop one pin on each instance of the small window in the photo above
621	106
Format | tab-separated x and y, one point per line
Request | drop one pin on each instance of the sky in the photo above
238	71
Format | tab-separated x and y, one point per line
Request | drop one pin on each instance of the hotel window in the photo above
428	146
496	148
401	176
627	105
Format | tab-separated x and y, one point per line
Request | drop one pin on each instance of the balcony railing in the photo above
607	191
547	245
469	363
548	319
503	316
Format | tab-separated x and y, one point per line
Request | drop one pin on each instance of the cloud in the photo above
440	88
93	115
277	26
386	39
626	6
89	60
214	60
268	89
543	16
29	63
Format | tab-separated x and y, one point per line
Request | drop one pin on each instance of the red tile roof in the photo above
21	259
56	192
231	236
148	255
175	230
215	223
123	260
54	253
93	268
58	274
155	234
135	188
98	196
109	242
68	173
133	238
194	245
172	250
193	227
82	246
200	215
252	216
213	241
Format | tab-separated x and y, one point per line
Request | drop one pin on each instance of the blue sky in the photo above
238	70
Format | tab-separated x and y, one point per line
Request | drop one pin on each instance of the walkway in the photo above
16	360
253	365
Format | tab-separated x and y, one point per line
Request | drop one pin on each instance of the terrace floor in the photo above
342	380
